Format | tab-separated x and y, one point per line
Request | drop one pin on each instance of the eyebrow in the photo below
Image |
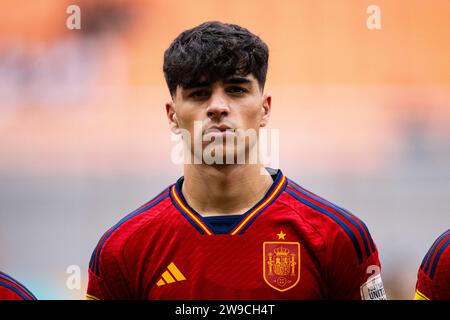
237	80
230	80
195	85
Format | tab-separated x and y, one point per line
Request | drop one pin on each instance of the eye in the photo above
198	94
236	89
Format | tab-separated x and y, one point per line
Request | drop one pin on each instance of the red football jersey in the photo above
433	278
10	289
291	245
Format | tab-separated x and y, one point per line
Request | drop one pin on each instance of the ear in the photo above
266	108
172	117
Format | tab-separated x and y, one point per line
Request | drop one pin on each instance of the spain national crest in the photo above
281	264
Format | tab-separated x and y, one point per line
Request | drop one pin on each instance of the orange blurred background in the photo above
364	120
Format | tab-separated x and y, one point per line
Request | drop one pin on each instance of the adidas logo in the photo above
172	274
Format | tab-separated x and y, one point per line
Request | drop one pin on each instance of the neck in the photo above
226	189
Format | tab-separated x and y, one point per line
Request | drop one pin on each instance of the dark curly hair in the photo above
213	51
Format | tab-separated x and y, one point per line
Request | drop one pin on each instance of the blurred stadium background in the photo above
364	119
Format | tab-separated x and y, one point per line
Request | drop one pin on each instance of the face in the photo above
220	111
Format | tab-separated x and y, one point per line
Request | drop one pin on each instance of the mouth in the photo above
221	127
221	130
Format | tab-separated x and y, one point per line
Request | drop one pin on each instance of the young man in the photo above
230	229
10	289
433	278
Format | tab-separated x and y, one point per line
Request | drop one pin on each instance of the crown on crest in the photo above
281	251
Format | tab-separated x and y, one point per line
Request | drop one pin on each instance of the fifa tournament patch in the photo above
373	289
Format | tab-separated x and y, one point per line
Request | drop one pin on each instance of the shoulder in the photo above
12	289
113	239
336	224
437	257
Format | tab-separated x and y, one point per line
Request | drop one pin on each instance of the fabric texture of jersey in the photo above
11	289
433	277
292	244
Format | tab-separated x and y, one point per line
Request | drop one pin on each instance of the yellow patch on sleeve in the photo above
420	296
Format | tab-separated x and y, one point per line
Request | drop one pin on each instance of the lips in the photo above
219	128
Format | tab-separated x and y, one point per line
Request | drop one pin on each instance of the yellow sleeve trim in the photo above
420	296
90	297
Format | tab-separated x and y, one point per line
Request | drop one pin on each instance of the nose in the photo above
218	106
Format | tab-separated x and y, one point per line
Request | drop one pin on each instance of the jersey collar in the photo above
237	225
